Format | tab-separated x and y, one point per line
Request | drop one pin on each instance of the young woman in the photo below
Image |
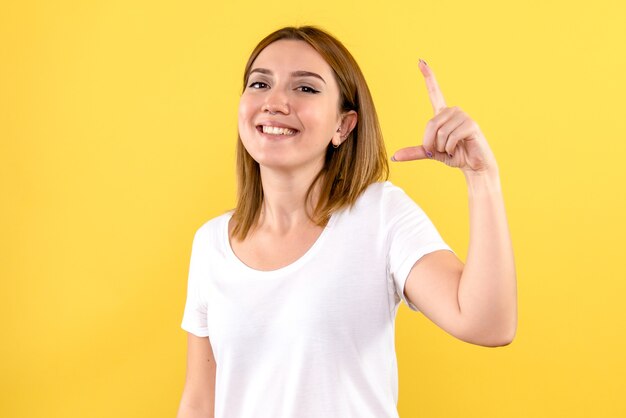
292	296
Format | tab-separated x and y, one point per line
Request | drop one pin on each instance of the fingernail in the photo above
450	155
430	154
393	158
423	62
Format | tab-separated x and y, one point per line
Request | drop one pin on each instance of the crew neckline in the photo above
313	249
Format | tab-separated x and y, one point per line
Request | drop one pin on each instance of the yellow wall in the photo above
117	127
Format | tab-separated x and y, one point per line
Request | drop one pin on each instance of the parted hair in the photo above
347	171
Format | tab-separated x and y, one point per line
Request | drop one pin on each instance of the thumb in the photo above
410	153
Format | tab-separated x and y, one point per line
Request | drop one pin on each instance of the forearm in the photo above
197	401
488	290
190	411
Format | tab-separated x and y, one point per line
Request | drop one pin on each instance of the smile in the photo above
276	131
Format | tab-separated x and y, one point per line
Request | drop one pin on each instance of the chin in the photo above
276	164
283	162
270	159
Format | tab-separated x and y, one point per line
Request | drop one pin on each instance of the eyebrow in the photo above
300	73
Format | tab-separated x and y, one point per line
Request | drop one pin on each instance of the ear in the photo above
348	122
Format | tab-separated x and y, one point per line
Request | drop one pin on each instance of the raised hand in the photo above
451	136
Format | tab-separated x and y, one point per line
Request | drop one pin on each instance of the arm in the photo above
476	302
198	399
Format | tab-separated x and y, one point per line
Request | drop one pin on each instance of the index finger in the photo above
434	93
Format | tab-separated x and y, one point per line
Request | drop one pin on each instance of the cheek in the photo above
318	117
245	113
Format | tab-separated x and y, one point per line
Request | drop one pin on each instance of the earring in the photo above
335	146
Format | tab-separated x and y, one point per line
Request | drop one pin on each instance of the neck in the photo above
284	207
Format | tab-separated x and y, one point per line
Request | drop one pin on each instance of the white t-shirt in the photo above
315	338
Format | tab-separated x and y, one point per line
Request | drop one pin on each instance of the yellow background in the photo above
117	129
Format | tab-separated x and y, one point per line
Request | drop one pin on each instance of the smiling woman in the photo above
292	296
276	97
305	76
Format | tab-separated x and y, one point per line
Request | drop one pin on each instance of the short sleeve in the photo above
195	313
410	236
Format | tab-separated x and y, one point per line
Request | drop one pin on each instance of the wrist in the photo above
483	182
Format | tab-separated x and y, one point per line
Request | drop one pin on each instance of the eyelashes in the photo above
308	89
257	85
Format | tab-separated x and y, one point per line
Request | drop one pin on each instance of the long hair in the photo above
360	160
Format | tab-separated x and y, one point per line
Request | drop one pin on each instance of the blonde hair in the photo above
360	160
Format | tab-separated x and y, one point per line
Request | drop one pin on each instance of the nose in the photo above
276	102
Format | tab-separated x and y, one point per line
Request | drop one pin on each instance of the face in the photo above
289	110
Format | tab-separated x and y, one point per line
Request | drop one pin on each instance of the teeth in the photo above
277	131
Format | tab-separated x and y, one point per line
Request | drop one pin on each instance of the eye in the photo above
257	83
307	89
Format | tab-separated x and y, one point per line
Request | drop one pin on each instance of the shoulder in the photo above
380	200
389	203
212	228
381	194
